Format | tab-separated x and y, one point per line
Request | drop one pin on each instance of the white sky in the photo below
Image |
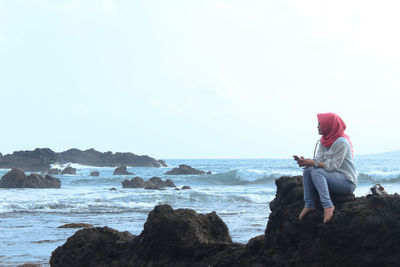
198	79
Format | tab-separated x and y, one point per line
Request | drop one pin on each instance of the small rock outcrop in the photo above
69	170
136	182
185	187
54	171
121	171
153	183
185	170
364	231
16	178
94	173
162	163
76	225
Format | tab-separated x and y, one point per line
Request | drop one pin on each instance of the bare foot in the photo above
328	214
305	211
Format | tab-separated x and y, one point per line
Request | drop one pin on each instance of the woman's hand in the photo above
302	162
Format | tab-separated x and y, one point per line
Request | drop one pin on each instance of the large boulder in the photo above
162	163
170	237
136	182
69	170
185	170
363	232
16	178
121	171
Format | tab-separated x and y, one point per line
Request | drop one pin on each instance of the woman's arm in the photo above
336	158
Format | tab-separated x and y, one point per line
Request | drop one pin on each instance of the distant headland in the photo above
383	155
40	159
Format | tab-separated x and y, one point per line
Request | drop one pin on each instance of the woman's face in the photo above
319	129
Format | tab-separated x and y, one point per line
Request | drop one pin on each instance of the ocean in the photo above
238	190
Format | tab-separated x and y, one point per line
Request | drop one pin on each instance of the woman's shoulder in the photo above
341	141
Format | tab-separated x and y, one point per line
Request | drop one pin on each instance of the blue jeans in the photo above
318	180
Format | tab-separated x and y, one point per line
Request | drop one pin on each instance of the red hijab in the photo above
332	127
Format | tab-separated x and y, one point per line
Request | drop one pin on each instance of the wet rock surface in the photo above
40	159
94	173
153	183
121	171
54	171
186	170
75	225
363	232
16	178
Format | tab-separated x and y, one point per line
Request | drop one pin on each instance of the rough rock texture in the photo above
121	171
95	173
75	225
364	231
54	171
170	238
16	178
136	182
69	170
185	170
41	158
153	183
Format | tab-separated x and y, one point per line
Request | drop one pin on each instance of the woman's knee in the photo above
307	171
317	172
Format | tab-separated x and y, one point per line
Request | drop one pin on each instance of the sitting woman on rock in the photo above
332	169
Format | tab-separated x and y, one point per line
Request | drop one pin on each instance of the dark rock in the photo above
69	170
184	170
16	178
121	171
156	181
169	183
76	225
136	182
150	185
185	187
30	265
54	171
170	238
94	173
162	163
113	189
363	232
95	247
41	158
209	173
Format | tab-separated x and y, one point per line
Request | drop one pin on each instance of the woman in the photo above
332	169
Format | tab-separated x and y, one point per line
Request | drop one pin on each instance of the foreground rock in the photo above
121	171
69	170
169	238
40	159
16	178
152	183
363	232
186	170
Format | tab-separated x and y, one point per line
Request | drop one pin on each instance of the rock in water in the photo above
136	182
69	170
121	171
95	173
75	225
185	170
16	178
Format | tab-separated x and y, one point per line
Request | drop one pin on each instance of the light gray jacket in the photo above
338	158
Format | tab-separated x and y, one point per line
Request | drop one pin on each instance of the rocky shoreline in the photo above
40	159
363	232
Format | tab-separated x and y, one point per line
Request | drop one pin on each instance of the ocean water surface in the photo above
239	191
